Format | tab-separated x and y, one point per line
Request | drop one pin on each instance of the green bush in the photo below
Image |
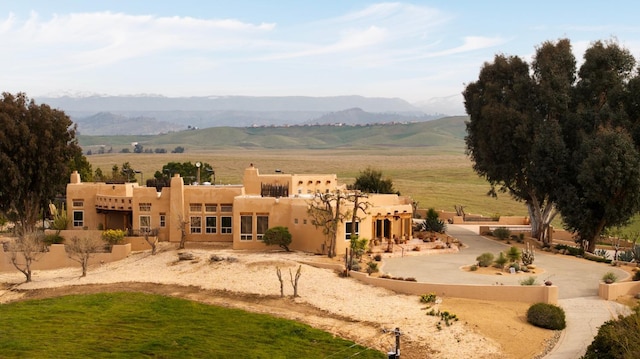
428	298
473	268
432	223
502	233
609	277
514	254
372	267
529	281
279	236
636	276
501	261
377	257
546	316
485	259
50	239
617	339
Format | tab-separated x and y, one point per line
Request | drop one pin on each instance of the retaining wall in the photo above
506	293
57	257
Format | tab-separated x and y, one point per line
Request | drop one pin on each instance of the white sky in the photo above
420	51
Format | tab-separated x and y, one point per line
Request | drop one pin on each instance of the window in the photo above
295	221
78	218
347	229
211	207
196	224
210	225
163	220
226	208
145	223
262	224
145	207
77	203
246	228
195	207
304	221
226	224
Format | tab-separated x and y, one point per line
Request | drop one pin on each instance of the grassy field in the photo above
127	325
438	177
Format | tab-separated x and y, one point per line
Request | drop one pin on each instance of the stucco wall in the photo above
57	257
507	293
615	290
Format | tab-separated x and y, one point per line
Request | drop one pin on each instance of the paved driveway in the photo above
577	281
574	277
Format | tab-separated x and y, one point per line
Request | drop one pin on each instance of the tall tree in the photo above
371	181
512	126
603	190
37	144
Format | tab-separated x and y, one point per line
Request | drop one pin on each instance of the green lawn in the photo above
136	325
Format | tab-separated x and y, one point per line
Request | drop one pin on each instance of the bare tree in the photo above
81	249
151	237
294	282
325	213
279	274
25	249
358	206
183	224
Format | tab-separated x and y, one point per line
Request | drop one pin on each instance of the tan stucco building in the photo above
237	214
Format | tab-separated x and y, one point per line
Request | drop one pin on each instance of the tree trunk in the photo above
593	240
540	216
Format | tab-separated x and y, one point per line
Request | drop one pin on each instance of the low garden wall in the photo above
57	257
504	293
614	291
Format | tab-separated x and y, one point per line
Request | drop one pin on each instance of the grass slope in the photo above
447	132
128	325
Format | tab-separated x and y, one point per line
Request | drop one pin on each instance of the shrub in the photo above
377	257
529	281
636	276
617	339
601	253
386	276
546	316
473	268
372	267
428	298
50	239
515	266
625	256
502	233
113	236
410	279
513	254
432	223
279	236
485	259
609	277
501	261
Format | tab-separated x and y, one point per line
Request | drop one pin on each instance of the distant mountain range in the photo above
150	115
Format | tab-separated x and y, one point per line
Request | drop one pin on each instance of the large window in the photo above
210	225
78	218
226	225
196	224
145	223
262	224
246	228
348	226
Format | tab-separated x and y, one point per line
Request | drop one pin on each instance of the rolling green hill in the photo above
447	133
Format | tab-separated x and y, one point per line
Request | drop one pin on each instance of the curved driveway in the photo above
577	282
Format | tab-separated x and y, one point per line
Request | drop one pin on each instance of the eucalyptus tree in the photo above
513	132
603	190
37	145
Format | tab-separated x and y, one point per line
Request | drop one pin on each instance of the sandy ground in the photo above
342	306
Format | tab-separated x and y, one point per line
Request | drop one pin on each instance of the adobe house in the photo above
237	214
